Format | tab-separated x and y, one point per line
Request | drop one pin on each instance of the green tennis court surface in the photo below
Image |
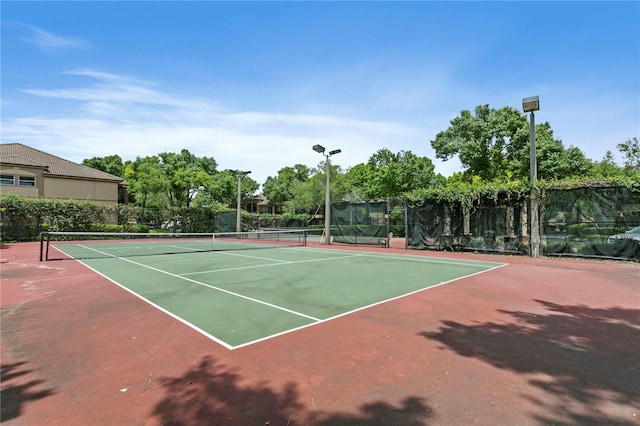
240	297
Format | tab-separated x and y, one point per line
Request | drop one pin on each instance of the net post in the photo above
388	222
41	245
405	203
46	247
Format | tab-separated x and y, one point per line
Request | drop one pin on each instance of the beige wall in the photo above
59	187
102	192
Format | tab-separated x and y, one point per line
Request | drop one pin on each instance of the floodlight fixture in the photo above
319	149
335	151
530	104
238	172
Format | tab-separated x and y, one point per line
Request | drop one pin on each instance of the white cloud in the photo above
112	88
130	118
50	43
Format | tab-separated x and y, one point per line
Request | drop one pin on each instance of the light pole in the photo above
327	197
532	104
239	175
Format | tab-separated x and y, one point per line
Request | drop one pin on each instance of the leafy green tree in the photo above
494	145
223	189
631	153
357	182
294	204
146	181
554	160
485	142
279	189
389	175
607	167
186	175
111	164
413	172
309	195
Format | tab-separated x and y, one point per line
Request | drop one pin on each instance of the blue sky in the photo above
256	84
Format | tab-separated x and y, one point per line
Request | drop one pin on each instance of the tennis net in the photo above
92	245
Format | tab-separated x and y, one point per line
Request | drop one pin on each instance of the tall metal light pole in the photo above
239	175
532	104
327	197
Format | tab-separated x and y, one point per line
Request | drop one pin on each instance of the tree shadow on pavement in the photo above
589	356
212	393
14	396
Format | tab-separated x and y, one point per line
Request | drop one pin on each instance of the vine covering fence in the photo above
582	222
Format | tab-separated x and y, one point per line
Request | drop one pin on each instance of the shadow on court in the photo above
212	393
15	394
586	358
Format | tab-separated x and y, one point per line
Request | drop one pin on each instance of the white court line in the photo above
235	254
262	302
293	262
409	257
316	320
158	307
364	307
226	253
437	260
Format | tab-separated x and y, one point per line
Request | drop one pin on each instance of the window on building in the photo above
26	181
7	180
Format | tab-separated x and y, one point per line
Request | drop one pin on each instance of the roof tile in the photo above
19	154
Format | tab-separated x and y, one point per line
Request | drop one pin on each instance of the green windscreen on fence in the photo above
360	222
591	222
489	226
227	221
582	222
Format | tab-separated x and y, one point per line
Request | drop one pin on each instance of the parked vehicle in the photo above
633	234
171	225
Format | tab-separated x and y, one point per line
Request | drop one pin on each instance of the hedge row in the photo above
23	219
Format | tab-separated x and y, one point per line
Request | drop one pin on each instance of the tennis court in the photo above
534	342
239	291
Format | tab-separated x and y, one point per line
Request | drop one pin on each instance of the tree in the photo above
223	189
494	145
279	189
389	175
413	172
631	153
111	164
607	167
485	142
146	179
309	195
554	160
186	175
357	181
